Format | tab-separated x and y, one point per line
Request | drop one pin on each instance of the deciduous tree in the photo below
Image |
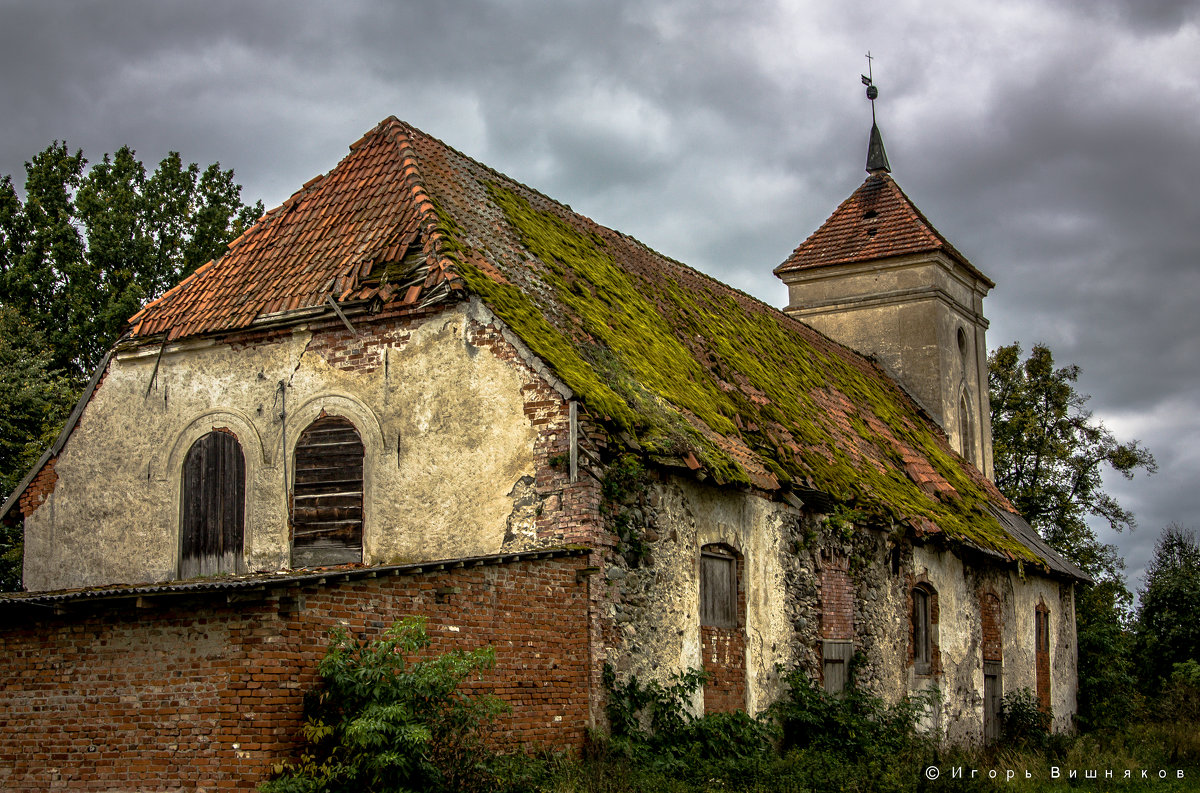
1050	453
1168	632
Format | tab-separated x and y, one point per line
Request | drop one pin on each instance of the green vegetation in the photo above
1049	454
682	364
382	722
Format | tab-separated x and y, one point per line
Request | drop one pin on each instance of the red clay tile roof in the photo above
325	241
877	221
677	365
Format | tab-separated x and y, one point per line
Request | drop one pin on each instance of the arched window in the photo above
327	497
213	507
966	432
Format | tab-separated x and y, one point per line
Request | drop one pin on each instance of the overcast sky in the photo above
1056	144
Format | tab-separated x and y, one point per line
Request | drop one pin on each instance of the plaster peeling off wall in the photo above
655	604
442	419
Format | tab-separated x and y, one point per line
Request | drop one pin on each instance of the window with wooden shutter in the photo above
213	506
922	631
327	497
718	588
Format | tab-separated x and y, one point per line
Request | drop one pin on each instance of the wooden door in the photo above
992	698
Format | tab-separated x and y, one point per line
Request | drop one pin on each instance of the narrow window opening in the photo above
924	630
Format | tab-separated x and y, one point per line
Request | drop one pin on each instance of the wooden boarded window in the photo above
327	498
835	664
718	587
213	507
922	631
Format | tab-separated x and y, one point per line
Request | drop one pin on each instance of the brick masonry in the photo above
837	600
992	624
205	692
39	488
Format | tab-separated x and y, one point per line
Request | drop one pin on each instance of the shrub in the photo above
380	721
1024	723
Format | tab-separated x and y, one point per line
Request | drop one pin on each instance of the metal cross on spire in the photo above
869	81
876	157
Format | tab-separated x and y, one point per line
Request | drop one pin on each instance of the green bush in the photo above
1024	723
380	721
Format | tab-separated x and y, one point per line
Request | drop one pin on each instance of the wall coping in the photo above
59	602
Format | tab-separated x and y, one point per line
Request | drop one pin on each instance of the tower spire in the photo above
877	160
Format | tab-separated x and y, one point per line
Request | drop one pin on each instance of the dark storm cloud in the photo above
1053	142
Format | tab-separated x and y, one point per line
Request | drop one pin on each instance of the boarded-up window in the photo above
922	631
327	498
718	587
835	657
213	507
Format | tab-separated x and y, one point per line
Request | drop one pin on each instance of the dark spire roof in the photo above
876	157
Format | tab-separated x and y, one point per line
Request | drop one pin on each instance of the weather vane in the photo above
869	81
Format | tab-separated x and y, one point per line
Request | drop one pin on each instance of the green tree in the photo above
33	403
1049	454
86	248
1167	629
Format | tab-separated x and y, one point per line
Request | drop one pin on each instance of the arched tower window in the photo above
213	507
327	497
966	430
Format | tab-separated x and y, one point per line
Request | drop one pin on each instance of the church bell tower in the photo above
879	278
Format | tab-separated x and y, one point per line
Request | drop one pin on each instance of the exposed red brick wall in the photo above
1042	658
837	600
197	692
39	489
724	656
992	624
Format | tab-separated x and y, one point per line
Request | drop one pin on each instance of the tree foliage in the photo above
87	247
1168	632
1050	452
80	252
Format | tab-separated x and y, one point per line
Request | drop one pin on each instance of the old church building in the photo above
420	387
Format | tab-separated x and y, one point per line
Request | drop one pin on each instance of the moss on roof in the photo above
685	363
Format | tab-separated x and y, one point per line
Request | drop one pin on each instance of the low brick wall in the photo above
203	691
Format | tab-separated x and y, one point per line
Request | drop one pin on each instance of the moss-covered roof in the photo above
676	364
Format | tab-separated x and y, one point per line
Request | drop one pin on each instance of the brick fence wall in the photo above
204	691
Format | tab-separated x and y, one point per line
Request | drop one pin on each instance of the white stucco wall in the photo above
441	420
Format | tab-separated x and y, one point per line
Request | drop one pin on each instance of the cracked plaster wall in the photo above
654	605
447	440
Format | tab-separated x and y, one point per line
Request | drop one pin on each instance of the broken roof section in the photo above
686	370
877	221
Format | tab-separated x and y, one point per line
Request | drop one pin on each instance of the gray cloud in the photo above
1053	142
